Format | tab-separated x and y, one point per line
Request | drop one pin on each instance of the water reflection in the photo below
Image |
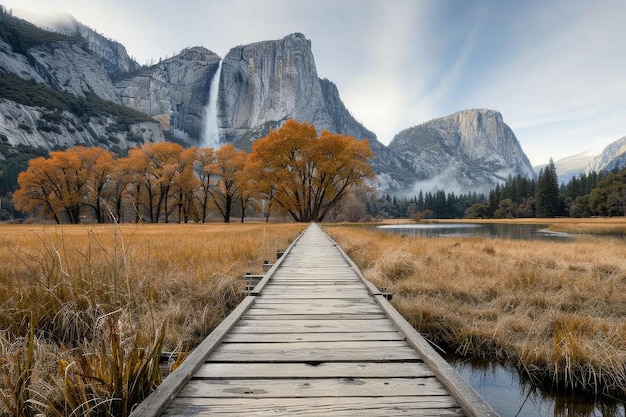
508	231
512	396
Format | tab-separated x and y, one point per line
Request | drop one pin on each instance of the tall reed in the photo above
95	301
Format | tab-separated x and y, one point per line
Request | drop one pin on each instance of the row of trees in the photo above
586	195
438	205
583	196
292	171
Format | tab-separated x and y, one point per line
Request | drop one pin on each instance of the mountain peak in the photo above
470	150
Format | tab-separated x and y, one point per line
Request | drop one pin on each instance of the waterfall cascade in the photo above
211	129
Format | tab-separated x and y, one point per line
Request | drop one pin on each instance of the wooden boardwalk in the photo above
314	338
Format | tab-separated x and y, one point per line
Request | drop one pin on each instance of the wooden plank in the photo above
314	351
368	316
312	326
276	309
315	370
310	388
336	302
321	273
310	337
319	284
322	406
330	291
320	287
312	302
314	294
357	346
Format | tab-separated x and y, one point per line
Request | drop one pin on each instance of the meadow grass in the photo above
556	310
87	309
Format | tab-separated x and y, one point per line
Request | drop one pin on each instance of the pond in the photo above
508	231
510	396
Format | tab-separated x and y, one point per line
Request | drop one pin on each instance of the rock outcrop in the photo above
175	91
57	93
112	54
43	128
266	83
471	150
67	66
570	167
612	157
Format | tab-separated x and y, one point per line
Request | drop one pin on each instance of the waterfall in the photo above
211	128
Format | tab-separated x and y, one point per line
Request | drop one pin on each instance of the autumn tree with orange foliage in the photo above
202	169
154	169
306	175
62	186
295	171
227	163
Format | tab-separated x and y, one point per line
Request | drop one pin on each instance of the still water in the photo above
507	231
510	396
501	386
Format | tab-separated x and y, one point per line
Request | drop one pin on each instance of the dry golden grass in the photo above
556	310
86	287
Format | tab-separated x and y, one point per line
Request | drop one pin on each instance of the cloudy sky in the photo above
556	70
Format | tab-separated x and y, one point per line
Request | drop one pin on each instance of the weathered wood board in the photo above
315	370
325	406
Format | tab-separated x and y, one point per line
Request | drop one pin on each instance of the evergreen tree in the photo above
608	198
547	199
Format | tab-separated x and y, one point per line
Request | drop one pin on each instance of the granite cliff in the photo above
612	157
266	83
56	93
471	150
174	91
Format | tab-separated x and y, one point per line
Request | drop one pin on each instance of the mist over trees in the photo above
587	195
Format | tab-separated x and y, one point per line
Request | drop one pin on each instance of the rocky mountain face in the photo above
113	55
266	83
174	91
471	150
570	167
612	157
261	85
57	93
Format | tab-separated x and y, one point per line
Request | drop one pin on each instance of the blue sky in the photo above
554	69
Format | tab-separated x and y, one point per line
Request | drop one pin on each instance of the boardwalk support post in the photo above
251	282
